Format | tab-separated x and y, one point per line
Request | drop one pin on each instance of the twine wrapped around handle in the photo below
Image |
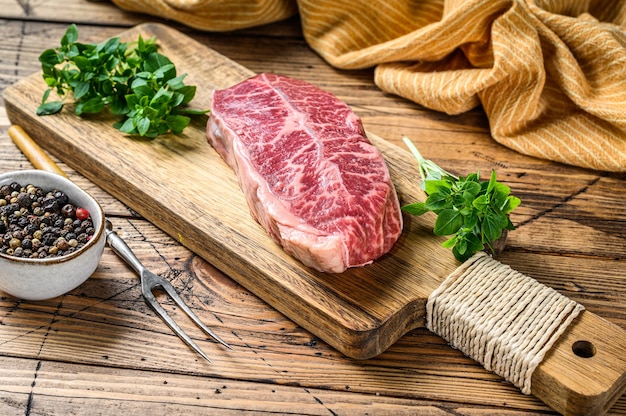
499	317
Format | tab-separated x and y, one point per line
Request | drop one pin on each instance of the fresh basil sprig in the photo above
132	79
472	211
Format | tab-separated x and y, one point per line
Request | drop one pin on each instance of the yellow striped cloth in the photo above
550	75
215	15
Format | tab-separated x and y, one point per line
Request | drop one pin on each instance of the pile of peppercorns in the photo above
39	224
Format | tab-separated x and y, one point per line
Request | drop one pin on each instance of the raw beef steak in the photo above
311	177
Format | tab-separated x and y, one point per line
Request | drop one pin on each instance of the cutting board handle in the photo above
585	371
528	333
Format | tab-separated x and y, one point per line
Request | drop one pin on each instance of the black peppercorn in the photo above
23	200
22	222
61	198
27	243
48	239
68	210
30	228
50	204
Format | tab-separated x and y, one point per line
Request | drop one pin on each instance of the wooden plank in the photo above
58	388
77	11
361	315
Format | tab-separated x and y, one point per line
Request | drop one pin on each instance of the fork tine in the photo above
156	306
150	281
172	292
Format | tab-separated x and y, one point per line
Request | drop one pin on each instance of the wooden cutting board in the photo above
182	185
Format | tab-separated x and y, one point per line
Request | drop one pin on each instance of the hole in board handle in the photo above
584	349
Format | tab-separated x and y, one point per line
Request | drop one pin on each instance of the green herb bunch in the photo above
132	80
472	211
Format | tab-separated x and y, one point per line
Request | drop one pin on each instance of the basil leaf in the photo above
417	208
48	108
448	222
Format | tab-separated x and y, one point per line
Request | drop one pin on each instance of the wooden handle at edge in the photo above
32	151
585	371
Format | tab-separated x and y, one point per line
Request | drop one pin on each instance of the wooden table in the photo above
101	350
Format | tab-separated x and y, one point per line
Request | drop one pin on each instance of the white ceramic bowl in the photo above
38	279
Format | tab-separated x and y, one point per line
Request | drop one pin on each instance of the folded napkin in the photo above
550	75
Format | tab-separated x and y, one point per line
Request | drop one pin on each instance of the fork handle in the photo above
32	151
121	248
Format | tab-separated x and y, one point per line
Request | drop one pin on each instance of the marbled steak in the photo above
311	177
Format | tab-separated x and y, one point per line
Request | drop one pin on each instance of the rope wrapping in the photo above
499	317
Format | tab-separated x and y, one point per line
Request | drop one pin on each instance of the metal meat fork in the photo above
149	282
